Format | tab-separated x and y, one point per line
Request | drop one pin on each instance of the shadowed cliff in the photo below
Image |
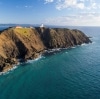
28	43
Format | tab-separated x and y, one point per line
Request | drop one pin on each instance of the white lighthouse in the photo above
42	25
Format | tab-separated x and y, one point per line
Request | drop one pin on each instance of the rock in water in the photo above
28	43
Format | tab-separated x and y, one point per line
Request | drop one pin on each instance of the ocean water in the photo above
62	74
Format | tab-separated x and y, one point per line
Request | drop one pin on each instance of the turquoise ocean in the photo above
58	74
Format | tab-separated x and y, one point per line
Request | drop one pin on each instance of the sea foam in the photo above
31	61
8	71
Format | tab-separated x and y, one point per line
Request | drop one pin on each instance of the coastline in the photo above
20	44
43	53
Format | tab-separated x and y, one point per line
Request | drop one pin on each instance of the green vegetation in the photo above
23	31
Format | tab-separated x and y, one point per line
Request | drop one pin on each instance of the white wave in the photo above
56	49
83	44
14	67
8	71
45	50
73	47
66	52
93	42
31	61
65	48
53	50
50	51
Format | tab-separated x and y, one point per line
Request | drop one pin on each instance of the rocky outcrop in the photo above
28	43
61	38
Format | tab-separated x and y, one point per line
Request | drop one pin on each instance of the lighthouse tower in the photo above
42	25
42	28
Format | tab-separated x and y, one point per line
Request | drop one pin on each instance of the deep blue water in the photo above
68	74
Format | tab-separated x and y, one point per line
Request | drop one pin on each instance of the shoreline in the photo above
19	63
30	43
36	59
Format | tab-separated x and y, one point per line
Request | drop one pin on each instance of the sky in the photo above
51	12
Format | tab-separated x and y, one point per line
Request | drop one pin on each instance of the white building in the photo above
18	27
42	25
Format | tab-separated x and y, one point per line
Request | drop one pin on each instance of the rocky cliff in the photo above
28	43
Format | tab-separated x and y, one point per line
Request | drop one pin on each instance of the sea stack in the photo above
28	43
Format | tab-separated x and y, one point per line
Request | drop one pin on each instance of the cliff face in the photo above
28	43
61	38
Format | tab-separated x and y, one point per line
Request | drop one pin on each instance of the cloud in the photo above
48	1
26	6
74	4
62	4
86	15
81	19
